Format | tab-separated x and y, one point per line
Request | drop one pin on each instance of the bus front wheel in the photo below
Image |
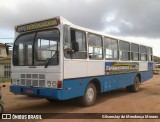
90	95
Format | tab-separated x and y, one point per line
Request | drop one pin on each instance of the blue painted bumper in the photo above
39	92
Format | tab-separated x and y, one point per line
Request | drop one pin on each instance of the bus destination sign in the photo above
37	25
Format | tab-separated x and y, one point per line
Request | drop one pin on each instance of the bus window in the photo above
47	43
124	50
111	48
22	52
134	52
95	47
29	54
79	37
143	53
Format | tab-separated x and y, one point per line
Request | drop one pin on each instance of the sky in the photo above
132	20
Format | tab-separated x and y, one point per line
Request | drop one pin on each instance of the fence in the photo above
5	71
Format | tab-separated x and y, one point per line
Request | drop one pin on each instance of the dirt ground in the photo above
147	100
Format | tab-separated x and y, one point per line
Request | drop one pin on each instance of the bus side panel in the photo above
117	81
74	87
127	79
146	75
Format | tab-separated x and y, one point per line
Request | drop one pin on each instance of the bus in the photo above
156	68
58	60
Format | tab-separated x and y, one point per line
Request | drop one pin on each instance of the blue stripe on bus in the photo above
76	87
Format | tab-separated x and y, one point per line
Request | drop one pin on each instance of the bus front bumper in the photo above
35	91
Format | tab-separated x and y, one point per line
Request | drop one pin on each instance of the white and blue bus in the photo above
58	60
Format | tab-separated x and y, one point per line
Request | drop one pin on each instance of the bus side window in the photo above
111	49
95	47
124	50
78	37
143	53
134	52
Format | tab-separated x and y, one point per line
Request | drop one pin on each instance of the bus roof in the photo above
65	21
62	20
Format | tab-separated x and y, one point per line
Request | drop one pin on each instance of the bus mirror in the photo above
67	47
76	46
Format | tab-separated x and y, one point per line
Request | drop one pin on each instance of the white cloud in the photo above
111	29
111	16
90	1
116	17
127	23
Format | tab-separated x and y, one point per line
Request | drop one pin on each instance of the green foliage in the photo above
3	80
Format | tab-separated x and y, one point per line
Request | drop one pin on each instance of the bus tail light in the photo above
59	84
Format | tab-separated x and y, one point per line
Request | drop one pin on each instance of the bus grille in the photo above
37	80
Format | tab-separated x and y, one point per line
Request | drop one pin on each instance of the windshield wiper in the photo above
53	56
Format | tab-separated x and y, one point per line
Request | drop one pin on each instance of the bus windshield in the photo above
36	48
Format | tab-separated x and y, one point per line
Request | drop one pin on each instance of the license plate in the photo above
29	91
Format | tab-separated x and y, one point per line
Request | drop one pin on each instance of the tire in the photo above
1	108
50	100
90	95
128	88
136	85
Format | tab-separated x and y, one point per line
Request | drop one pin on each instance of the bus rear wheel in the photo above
90	95
135	86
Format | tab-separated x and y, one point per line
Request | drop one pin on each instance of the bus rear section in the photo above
57	60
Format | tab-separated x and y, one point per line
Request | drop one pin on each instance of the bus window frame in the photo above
111	49
102	45
70	52
127	51
33	48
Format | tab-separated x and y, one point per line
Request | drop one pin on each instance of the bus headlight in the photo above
49	83
54	84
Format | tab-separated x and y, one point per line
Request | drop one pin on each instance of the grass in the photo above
3	80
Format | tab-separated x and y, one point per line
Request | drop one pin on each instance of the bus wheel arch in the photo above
139	76
90	94
135	87
97	84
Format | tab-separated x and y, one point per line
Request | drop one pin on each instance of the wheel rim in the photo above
90	94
